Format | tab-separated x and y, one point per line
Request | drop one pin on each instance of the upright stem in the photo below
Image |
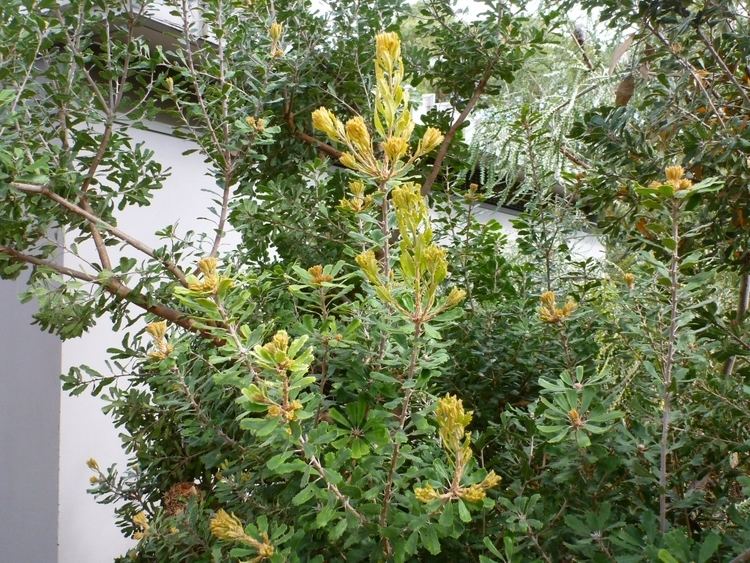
403	415
668	366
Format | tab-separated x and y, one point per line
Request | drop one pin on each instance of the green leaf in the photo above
463	512
430	540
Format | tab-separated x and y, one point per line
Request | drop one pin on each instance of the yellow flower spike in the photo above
208	265
326	121
226	526
94	479
674	175
318	276
169	82
387	46
358	136
576	421
210	281
473	493
357	188
92	464
685	184
425	494
455	297
274	411
275	31
550	313
629	280
348	160
491	481
452	421
162	348
369	265
395	148
157	329
279	343
430	141
141	521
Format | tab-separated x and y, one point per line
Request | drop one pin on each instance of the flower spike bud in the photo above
275	31
357	134
326	121
430	141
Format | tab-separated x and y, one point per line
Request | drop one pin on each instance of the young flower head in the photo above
430	141
369	265
359	201
452	421
158	331
228	527
426	494
357	134
318	277
279	343
210	281
387	46
326	121
395	148
629	280
456	296
348	160
550	313
169	83
275	31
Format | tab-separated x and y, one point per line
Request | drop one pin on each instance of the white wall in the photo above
87	533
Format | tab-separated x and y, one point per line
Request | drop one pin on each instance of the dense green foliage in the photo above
377	372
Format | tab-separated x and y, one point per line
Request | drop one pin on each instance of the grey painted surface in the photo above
29	433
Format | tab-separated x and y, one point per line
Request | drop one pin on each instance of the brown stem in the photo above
301	135
442	151
113	286
99	222
723	65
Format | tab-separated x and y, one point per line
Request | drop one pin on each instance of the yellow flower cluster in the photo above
452	421
210	281
392	121
423	263
676	178
629	280
275	32
162	348
258	124
318	276
279	343
358	202
140	521
549	312
228	527
575	418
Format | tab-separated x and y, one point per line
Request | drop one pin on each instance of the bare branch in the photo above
99	222
113	286
448	139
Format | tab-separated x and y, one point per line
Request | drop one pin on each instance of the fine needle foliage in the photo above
378	370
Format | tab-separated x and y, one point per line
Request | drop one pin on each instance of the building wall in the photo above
87	530
29	430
